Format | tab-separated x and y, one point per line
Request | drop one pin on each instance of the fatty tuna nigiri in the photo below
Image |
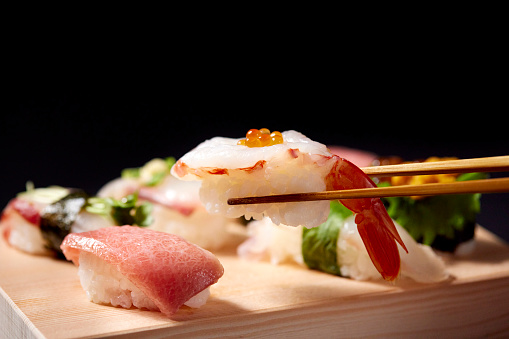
129	266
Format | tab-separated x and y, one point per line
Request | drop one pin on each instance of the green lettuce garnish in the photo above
441	221
319	244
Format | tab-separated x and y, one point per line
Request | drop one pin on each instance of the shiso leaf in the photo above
441	221
319	244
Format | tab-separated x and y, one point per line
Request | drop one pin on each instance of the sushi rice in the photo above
104	284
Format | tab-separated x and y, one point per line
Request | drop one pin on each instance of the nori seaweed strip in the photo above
57	218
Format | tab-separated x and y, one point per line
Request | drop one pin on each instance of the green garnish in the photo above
170	161
319	244
130	173
123	211
46	195
152	173
156	178
441	221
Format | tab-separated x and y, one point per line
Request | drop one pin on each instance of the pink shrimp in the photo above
375	227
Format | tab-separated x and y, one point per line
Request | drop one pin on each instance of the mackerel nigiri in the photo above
129	266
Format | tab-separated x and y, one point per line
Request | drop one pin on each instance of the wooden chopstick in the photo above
458	187
490	164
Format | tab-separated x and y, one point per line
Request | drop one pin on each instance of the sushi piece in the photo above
21	218
267	163
37	221
130	266
335	247
176	204
229	170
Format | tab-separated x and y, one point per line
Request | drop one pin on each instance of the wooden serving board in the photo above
42	297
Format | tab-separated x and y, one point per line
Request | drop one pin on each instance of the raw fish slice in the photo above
172	193
20	228
166	268
20	220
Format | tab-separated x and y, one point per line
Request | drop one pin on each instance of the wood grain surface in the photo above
42	297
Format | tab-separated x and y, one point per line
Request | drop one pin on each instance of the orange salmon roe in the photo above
260	138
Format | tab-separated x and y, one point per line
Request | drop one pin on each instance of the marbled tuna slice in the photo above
165	267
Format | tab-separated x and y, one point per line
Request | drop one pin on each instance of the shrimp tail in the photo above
375	227
380	243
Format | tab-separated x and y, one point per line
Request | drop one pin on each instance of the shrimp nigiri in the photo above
267	163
